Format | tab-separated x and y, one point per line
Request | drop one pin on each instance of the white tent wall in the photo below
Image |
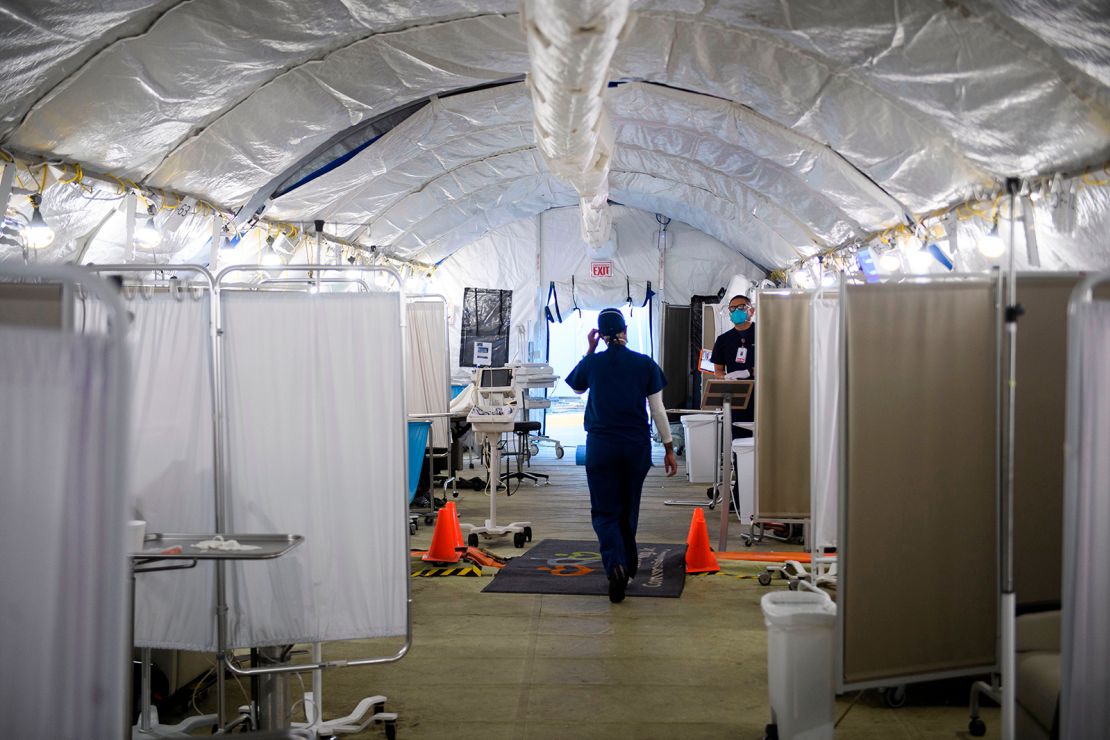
510	258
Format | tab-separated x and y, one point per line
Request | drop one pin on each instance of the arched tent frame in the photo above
1008	91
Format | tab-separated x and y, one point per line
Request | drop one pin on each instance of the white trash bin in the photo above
743	454
700	431
800	681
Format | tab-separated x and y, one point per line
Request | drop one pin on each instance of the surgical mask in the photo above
739	315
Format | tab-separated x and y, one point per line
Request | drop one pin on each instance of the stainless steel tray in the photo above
269	546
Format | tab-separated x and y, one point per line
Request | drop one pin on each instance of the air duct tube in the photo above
570	45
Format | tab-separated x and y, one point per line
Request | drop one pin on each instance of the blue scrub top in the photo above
619	381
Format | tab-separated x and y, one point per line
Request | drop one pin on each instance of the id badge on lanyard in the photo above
741	355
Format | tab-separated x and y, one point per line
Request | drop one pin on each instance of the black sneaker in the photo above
618	580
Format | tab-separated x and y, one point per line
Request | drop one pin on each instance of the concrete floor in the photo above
548	666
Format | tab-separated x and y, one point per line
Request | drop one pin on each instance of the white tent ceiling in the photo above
792	126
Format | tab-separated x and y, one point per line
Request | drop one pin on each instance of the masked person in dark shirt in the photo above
734	355
623	386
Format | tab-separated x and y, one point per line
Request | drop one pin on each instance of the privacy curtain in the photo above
782	451
1084	710
62	534
173	472
1040	406
918	557
426	372
825	419
315	446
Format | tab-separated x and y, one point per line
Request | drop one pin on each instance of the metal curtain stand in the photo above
316	273
431	454
895	687
145	723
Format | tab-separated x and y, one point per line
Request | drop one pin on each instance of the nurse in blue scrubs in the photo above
623	385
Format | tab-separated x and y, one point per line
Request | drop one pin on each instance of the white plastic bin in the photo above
700	431
800	681
743	454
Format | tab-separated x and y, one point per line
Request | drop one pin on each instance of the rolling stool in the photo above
522	430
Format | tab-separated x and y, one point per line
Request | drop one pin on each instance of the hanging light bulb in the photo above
920	261
147	236
890	262
39	234
990	244
270	257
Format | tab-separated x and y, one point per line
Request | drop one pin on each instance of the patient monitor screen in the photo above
501	377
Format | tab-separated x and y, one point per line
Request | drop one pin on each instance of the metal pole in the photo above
726	471
1009	598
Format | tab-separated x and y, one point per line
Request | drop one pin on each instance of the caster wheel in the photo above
455	494
472	540
977	727
390	731
894	697
533	449
558	452
764	579
412	527
771	732
429	520
518	539
747	543
528	533
793	585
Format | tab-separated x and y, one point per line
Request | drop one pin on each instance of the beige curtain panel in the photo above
782	406
919	563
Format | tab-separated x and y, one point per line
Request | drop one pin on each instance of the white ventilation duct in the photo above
570	45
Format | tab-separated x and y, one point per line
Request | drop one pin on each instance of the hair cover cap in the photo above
610	322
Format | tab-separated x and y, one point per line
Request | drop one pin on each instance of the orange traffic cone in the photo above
699	558
454	516
443	541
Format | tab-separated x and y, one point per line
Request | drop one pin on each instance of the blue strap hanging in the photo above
551	293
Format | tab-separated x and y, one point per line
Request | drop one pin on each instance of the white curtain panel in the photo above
825	433
62	536
172	468
1085	711
315	445
427	388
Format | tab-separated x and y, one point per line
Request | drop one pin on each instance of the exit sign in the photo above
601	269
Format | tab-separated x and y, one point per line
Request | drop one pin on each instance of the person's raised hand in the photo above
670	464
592	338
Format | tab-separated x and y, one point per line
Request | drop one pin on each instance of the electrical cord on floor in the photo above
845	714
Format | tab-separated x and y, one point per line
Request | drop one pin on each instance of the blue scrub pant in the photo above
615	471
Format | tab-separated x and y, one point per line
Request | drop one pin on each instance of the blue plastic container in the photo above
580	455
418	444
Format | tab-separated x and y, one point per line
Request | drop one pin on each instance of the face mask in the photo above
739	315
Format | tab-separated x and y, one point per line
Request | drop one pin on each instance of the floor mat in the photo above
574	567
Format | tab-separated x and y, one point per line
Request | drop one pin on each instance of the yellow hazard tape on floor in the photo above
466	570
